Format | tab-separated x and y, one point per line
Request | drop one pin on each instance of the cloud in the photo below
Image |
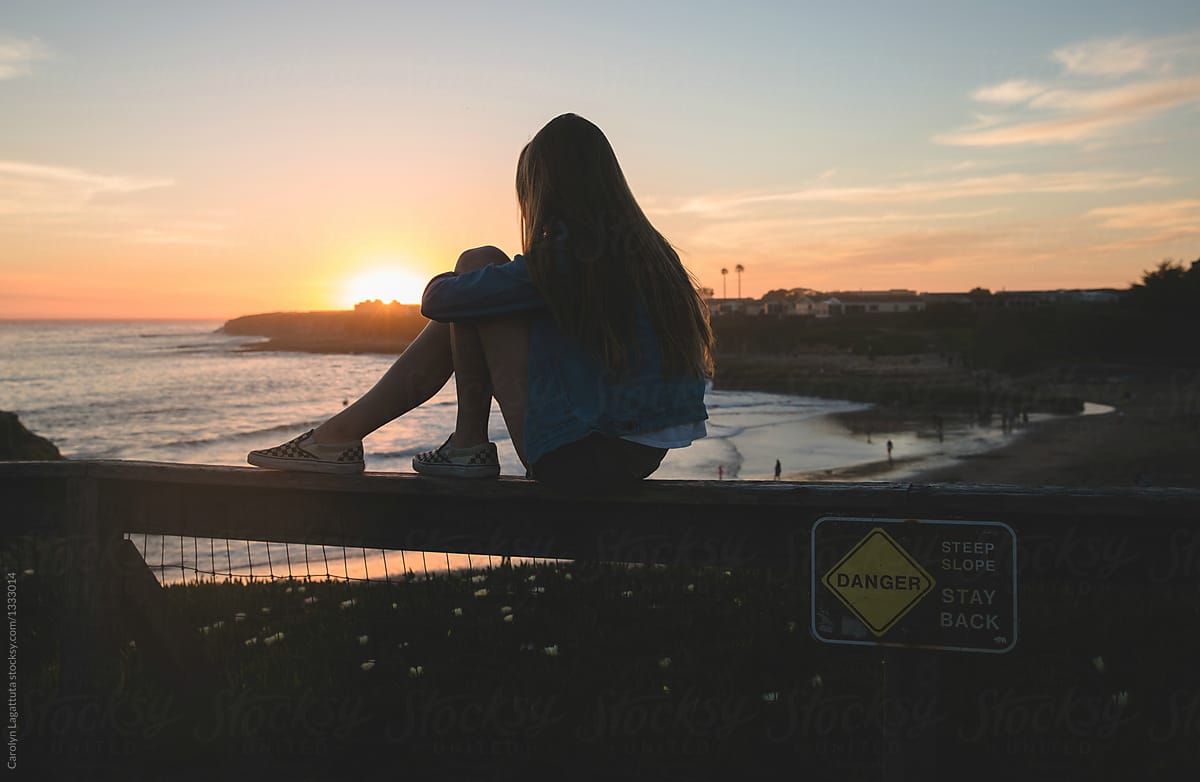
1183	214
923	191
33	189
189	232
80	203
1015	91
1074	108
17	55
1107	57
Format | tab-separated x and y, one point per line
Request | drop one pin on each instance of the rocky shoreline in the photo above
19	444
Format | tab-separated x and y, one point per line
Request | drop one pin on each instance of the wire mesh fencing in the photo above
179	559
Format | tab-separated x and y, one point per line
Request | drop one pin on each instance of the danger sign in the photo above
878	581
915	582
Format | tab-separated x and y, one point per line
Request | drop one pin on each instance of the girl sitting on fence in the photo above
594	340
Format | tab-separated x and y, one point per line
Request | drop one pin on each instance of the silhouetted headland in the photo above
371	327
18	443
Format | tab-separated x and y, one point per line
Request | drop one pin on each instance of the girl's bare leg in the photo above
491	358
419	373
473	384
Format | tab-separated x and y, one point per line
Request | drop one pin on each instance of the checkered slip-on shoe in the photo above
302	454
479	461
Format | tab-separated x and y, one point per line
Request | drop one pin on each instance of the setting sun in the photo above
385	284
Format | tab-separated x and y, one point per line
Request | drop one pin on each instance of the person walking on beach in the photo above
594	340
889	447
720	472
778	469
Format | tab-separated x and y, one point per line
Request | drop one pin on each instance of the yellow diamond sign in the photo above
878	581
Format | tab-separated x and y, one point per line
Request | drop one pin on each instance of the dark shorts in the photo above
597	460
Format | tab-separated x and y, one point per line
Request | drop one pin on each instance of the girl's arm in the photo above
496	289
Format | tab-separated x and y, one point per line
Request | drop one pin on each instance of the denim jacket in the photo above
570	395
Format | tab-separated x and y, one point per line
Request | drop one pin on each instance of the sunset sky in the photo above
214	159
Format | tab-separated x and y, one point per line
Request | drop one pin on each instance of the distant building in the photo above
805	302
982	297
798	302
734	307
1024	299
1098	296
874	302
947	298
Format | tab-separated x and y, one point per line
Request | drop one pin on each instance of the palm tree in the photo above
739	269
724	273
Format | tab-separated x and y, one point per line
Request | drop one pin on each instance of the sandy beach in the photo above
1138	444
1147	435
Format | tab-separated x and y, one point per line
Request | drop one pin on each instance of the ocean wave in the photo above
173	334
234	437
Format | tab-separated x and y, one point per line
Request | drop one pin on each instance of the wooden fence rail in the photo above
731	523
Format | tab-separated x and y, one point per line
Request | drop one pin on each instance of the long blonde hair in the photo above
568	175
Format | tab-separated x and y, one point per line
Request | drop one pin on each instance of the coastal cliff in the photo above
18	443
368	328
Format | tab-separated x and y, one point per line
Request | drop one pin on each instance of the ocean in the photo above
180	391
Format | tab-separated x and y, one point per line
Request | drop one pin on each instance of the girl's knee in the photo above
479	257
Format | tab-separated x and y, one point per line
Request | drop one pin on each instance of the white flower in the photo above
457	612
273	639
266	610
251	641
302	589
368	665
240	616
287	591
770	697
1098	663
347	603
416	672
504	610
310	600
363	639
394	606
664	662
666	690
508	618
551	651
532	578
205	630
219	623
478	579
537	590
481	593
691	587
